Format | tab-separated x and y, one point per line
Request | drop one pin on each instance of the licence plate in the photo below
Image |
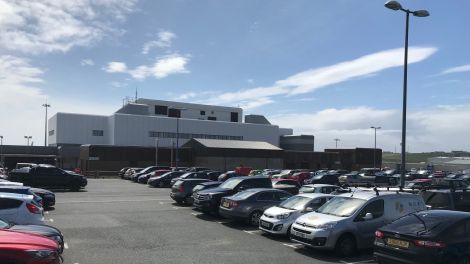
397	243
264	224
226	204
302	235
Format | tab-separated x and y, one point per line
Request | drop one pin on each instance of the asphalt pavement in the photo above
115	221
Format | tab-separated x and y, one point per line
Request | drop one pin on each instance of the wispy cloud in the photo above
163	67
57	26
164	40
314	79
463	68
87	62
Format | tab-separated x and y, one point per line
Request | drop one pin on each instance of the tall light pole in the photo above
27	139
336	141
375	142
177	158
46	105
156	152
1	151
394	5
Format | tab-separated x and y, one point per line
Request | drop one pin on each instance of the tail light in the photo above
429	244
33	208
181	188
379	234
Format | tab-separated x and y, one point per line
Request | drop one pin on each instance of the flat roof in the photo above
235	144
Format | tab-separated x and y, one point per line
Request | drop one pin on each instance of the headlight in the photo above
40	253
283	216
326	226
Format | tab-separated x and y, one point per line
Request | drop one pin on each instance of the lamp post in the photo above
27	139
336	141
394	5
46	105
178	116
375	142
1	151
156	152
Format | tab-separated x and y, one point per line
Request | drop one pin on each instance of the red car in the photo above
300	177
17	247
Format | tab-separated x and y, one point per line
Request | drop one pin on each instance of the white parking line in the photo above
111	201
66	246
51	220
176	208
46	212
292	245
252	232
196	214
161	203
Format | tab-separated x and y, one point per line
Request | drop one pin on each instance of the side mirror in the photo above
309	210
368	216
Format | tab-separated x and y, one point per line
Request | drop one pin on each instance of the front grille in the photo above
301	239
202	197
301	230
266	225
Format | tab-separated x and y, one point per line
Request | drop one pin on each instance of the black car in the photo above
48	197
205	186
249	205
209	200
213	175
324	179
227	175
197	169
182	190
164	179
135	177
436	236
449	199
189	175
43	230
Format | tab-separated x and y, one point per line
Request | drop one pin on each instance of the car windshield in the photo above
341	206
307	189
186	175
285	172
243	195
198	188
4	225
230	183
295	203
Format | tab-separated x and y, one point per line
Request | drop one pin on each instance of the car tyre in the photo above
346	246
161	184
254	218
288	231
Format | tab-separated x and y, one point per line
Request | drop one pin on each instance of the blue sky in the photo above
328	68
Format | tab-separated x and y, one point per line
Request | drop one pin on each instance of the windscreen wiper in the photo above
422	221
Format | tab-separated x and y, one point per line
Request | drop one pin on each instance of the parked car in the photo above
204	186
20	209
300	177
288	185
323	178
427	237
20	165
43	230
369	171
418	184
144	178
164	179
447	199
48	176
213	175
18	247
189	175
135	177
48	197
249	205
208	200
348	221
22	190
227	175
197	169
278	219
318	188
131	171
122	172
182	190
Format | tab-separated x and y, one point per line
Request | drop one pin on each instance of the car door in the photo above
264	200
366	228
9	209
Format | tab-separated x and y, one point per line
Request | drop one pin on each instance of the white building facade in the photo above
149	122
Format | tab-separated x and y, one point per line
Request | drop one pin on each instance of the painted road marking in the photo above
66	246
252	232
196	214
292	245
112	201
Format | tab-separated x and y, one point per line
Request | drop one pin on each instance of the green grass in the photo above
413	157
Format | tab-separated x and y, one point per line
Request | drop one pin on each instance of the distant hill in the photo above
421	157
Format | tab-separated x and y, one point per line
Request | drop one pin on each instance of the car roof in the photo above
14	187
314	195
17	196
369	194
254	190
251	177
448	215
319	185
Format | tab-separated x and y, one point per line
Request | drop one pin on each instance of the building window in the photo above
98	133
203	112
51	132
161	110
233	117
157	134
174	113
213	118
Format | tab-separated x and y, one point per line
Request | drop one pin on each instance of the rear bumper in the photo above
232	214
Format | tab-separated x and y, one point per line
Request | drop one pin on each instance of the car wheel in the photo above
161	184
254	218
288	231
346	246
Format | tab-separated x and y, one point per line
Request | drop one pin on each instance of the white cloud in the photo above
438	128
165	39
57	26
87	62
116	66
463	68
314	79
163	67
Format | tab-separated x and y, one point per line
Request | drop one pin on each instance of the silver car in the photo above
278	219
348	221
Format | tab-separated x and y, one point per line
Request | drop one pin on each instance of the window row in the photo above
156	134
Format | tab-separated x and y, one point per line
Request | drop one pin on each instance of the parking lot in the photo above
117	221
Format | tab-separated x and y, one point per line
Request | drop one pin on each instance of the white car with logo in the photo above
278	219
20	209
348	221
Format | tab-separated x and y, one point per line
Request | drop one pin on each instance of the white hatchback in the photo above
278	219
20	209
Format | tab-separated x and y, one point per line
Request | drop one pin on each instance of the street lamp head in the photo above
378	127
394	5
421	13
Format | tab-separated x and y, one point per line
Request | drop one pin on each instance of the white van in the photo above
348	221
